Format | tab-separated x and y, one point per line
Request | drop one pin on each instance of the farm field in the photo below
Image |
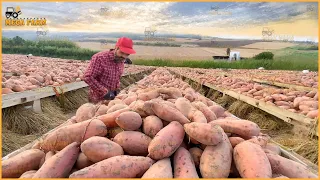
178	53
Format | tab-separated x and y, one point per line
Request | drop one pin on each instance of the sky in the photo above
216	19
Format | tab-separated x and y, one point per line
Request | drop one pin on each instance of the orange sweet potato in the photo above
59	165
196	155
168	113
79	132
251	161
27	160
130	99
183	105
215	161
134	143
235	140
6	91
149	95
47	156
123	166
116	107
138	107
129	121
289	168
107	148
244	128
208	134
160	169
85	112
101	110
210	116
151	126
110	119
83	161
114	102
312	114
166	141
183	164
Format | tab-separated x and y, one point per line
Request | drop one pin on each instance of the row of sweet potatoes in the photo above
302	102
152	131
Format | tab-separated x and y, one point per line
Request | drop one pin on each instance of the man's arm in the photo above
91	74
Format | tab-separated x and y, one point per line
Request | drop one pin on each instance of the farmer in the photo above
105	69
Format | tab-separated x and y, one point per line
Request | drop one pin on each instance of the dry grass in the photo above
240	109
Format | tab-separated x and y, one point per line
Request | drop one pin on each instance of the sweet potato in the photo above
167	113
309	103
244	128
129	121
79	132
116	107
217	110
210	116
274	148
133	143
107	148
149	95
235	140
160	169
27	160
151	126
208	134
147	108
6	91
83	161
251	161
183	164
123	166
130	99
110	119
215	161
298	100
47	156
28	174
172	93
166	141
261	140
311	94
85	112
183	105
112	132
289	168
196	155
138	107
59	165
197	116
282	103
304	107
312	114
114	102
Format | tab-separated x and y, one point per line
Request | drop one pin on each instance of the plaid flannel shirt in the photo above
101	73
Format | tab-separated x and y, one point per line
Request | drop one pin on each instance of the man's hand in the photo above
109	96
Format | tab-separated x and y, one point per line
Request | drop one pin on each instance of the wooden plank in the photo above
284	85
14	99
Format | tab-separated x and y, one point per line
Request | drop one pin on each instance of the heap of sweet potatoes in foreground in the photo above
158	128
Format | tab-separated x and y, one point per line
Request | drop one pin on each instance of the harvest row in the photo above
302	102
158	128
22	73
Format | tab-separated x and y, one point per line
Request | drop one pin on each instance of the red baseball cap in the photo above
126	45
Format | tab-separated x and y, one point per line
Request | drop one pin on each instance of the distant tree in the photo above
18	41
228	51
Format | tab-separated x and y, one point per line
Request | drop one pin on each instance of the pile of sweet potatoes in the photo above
21	73
158	128
302	102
